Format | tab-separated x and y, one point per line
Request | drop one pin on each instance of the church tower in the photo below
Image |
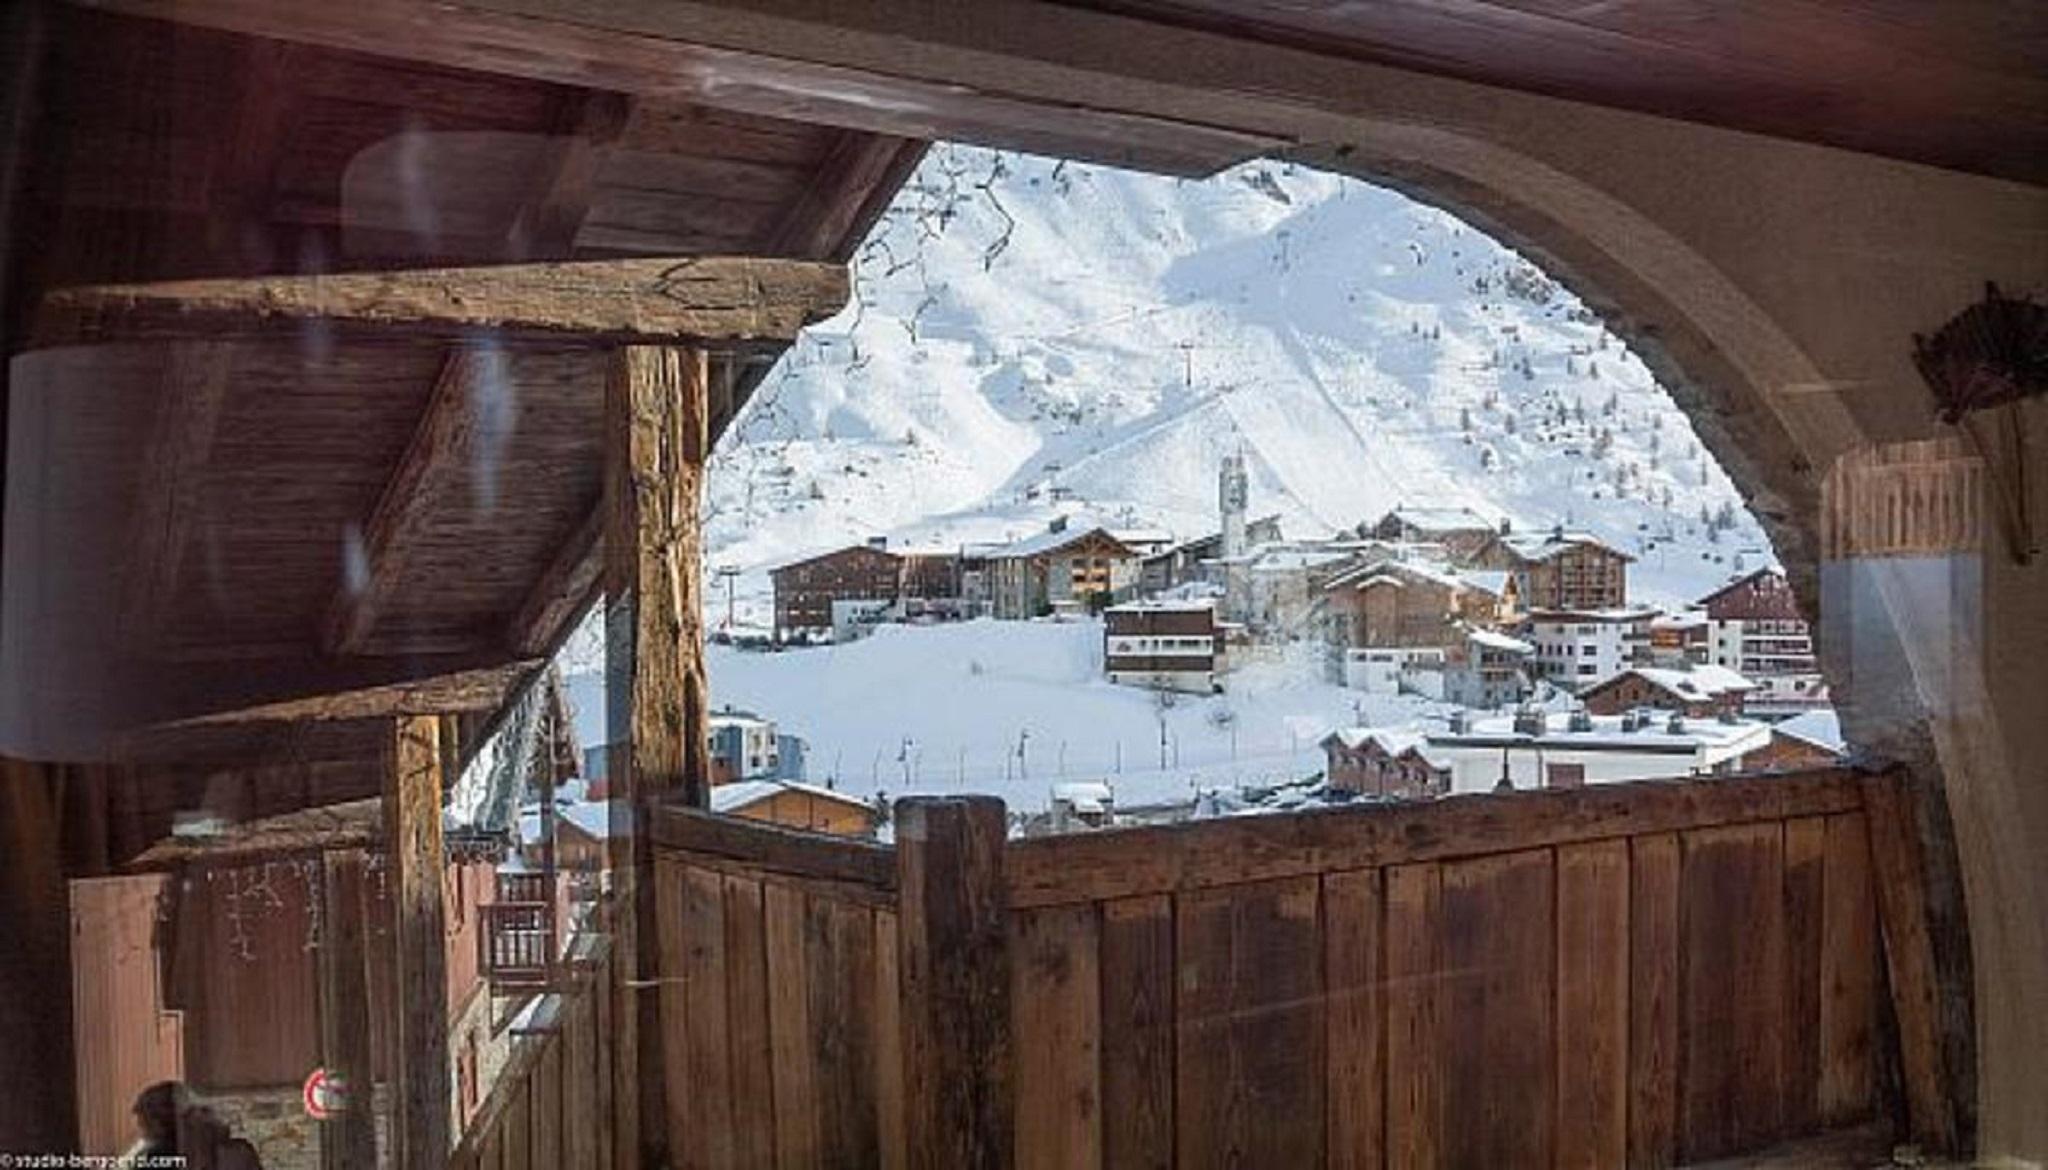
1232	488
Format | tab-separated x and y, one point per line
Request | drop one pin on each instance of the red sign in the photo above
324	1095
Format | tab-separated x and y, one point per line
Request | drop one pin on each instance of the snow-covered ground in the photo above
1031	337
1012	708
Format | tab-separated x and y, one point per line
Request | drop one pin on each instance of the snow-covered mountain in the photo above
1030	337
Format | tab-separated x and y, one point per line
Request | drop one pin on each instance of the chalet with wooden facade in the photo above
1805	741
1163	645
1459	532
821	594
1699	692
1755	627
795	805
1558	570
1385	764
1397	603
1060	568
1188	561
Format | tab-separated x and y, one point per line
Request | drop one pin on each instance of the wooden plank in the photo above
1653	1031
840	981
580	1071
775	848
1124	862
1851	977
1498	935
1805	848
888	1044
794	1072
442	448
857	176
953	929
326	690
414	862
659	301
1896	867
1055	1001
350	1139
669	890
746	994
169	494
700	1089
603	1003
1137	1033
1353	988
1732	949
587	125
546	1103
1592	1004
518	1129
1248	1072
1415	1088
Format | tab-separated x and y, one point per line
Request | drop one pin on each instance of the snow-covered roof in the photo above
1167	603
726	798
1494	639
1088	796
1440	519
1739	580
1821	728
591	817
1052	541
1621	613
720	719
1534	546
1606	732
1393	741
1706	681
842	551
1494	581
1691	619
1137	536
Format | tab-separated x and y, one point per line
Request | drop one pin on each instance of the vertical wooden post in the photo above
954	971
655	439
349	1140
1898	869
415	862
39	1109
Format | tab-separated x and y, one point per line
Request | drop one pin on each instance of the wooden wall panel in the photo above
1249	1066
1352	984
1733	955
839	951
1414	1034
888	1041
1804	894
789	1027
752	1113
1851	979
1593	1002
1056	1009
1137	1032
1497	1000
123	1039
1653	1017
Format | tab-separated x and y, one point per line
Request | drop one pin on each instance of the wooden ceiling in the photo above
312	520
1953	83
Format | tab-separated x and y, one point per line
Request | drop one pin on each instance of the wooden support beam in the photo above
1899	871
655	443
614	302
442	448
854	182
414	862
169	499
954	968
350	1140
565	587
547	224
351	689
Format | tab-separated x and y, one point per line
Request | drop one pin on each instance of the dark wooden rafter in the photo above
327	689
442	446
851	185
241	183
169	499
547	224
729	300
564	590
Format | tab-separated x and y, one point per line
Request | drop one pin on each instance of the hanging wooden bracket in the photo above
1984	366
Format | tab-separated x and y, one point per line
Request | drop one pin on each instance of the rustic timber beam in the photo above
564	589
773	847
349	1140
336	689
414	865
670	51
442	446
856	179
547	224
727	300
656	438
169	498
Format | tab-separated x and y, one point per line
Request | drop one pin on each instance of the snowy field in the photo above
1011	708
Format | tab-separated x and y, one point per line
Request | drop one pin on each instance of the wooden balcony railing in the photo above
521	945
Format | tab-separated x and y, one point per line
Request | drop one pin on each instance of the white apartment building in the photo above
1577	648
1566	749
